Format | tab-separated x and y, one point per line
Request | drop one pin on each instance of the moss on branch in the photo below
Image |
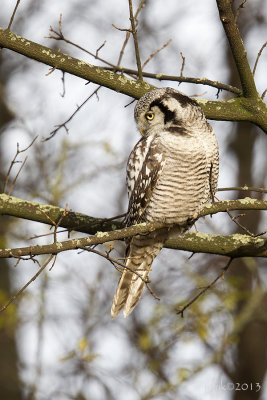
251	109
105	230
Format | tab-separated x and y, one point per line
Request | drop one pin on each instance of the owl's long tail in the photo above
143	250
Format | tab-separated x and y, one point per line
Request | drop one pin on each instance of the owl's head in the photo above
166	109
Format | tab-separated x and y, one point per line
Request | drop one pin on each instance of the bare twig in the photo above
121	29
13	298
156	52
14	162
241	5
134	33
183	64
58	35
127	37
116	262
243	188
13	15
116	68
17	175
99	48
263	94
51	70
64	124
63	85
258	56
239	108
183	308
234	219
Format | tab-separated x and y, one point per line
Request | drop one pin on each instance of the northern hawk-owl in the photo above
171	173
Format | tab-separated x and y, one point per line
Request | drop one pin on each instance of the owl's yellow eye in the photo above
150	115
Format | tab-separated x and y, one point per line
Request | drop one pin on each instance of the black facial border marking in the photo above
177	129
184	100
168	114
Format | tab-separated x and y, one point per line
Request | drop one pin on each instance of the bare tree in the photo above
242	102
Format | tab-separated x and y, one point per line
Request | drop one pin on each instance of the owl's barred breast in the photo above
183	186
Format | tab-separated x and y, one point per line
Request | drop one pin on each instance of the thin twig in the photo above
63	85
116	262
13	298
99	48
156	52
127	37
64	124
234	219
131	72
59	36
258	56
263	94
121	29
182	310
134	33
183	64
13	15
17	175
14	161
243	188
241	5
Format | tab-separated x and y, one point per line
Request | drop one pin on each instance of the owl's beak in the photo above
140	130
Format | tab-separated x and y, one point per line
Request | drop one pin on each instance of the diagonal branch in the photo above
238	109
45	213
134	33
237	47
233	245
73	221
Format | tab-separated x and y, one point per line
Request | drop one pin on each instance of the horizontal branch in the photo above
234	245
45	213
238	109
73	221
175	78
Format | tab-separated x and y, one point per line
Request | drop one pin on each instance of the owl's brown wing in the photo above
145	165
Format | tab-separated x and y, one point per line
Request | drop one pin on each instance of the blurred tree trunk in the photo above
10	387
250	359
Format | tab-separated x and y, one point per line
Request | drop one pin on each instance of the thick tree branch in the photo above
46	213
74	221
236	245
233	246
238	109
237	47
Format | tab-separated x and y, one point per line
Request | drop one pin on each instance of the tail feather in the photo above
136	288
143	250
121	294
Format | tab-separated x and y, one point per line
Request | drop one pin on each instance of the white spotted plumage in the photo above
170	175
